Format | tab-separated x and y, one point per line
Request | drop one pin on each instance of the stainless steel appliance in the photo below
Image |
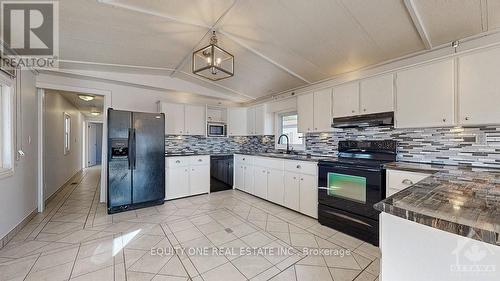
366	120
216	129
136	160
350	185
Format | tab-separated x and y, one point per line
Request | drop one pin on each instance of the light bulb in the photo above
218	61
209	60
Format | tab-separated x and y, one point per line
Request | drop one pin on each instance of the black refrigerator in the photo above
136	160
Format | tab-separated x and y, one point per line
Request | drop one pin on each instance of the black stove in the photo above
350	185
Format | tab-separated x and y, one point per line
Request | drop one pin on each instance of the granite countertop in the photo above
299	157
456	199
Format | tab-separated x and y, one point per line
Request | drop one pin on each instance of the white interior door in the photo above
92	145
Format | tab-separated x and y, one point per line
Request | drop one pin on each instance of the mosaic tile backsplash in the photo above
454	146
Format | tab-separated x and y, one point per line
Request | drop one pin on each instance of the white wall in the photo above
59	167
18	193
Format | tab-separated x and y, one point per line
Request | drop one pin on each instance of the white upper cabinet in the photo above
259	121
426	96
195	123
174	118
346	100
479	88
322	110
377	94
251	121
182	119
305	112
237	121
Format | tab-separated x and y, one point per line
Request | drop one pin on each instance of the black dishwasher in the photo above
221	172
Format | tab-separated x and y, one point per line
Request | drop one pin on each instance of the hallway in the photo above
75	239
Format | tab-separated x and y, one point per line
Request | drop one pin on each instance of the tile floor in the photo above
226	235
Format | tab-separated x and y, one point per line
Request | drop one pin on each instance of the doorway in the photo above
94	144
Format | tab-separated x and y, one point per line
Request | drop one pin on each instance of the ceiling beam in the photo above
418	23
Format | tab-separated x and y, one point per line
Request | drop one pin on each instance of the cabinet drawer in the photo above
302	167
243	159
267	162
199	160
172	162
399	180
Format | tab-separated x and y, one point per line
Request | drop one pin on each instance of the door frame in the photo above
107	94
86	137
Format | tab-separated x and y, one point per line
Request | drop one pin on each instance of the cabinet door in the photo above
292	191
177	184
195	120
305	111
425	96
323	110
249	179
377	94
239	176
275	186
263	121
260	185
346	100
237	121
199	179
479	88
251	121
174	118
309	195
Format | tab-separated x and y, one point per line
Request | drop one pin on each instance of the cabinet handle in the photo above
298	167
199	160
364	109
268	173
315	128
353	111
407	181
263	171
243	159
178	161
444	119
467	118
185	170
192	170
294	178
301	179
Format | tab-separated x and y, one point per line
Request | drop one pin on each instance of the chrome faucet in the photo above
287	142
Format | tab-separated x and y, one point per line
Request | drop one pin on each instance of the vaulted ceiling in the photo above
278	44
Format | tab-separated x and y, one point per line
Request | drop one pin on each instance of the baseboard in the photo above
17	228
71	179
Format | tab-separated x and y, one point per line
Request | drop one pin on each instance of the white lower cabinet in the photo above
292	184
275	186
292	195
186	176
398	180
260	182
309	195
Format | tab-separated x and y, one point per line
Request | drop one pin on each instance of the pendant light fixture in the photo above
212	62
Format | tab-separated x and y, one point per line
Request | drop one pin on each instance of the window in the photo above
67	133
6	131
288	125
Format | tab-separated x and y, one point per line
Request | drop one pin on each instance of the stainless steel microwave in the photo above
216	130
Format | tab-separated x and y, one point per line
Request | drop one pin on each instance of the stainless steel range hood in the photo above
367	120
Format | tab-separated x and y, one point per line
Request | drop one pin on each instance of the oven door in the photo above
351	188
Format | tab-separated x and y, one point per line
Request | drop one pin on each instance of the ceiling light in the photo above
86	97
213	62
95	113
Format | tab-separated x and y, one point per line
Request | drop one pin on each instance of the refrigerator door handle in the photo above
134	149
130	155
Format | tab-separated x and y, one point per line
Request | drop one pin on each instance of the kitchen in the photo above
232	148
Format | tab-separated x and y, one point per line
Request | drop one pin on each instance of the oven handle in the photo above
347	168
